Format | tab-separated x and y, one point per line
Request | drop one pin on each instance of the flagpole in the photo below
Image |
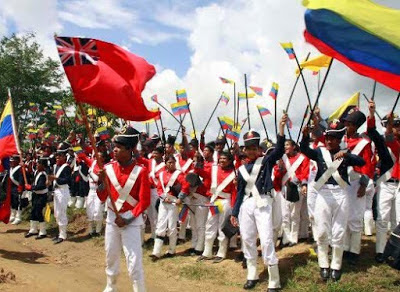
14	125
238	107
319	92
222	129
162	130
158	131
302	77
302	123
65	113
247	100
97	155
295	85
181	124
373	91
191	119
276	118
244	123
395	103
167	111
212	114
235	118
265	128
377	114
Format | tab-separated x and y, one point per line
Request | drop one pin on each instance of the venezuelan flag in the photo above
8	137
225	98
361	34
103	133
274	90
183	213
181	95
288	47
263	110
242	95
224	80
257	90
179	108
77	149
233	134
226	122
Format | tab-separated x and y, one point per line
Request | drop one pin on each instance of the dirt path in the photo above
78	265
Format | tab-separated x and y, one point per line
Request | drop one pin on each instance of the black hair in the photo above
168	157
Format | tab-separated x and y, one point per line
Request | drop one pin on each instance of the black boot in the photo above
379	258
353	259
324	273
250	284
336	275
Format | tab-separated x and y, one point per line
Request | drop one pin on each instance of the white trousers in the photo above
152	212
304	220
128	239
388	200
214	226
167	223
368	214
311	198
255	220
277	213
94	207
291	219
331	213
61	198
198	220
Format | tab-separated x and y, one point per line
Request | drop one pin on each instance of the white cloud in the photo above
105	14
238	37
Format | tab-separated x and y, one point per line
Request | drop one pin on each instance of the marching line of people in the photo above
272	192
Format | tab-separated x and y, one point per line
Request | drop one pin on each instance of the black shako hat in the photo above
356	117
63	148
251	138
220	140
211	146
128	137
335	129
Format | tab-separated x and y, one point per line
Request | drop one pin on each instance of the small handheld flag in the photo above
263	110
288	47
154	98
181	95
274	90
224	80
225	98
257	90
179	108
233	134
242	95
226	122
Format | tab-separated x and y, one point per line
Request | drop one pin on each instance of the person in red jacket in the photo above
295	168
169	185
360	178
129	189
223	195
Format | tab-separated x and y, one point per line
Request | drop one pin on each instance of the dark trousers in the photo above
38	204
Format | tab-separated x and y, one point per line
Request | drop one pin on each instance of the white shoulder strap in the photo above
331	171
123	191
388	174
60	170
291	168
37	176
12	172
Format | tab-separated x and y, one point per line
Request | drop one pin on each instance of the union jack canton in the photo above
77	51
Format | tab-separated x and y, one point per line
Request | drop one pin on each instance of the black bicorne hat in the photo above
128	137
251	138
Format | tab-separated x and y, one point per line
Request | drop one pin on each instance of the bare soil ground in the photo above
78	265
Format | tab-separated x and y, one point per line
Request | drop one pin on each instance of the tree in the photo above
31	78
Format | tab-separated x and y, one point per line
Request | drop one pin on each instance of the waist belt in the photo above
393	180
41	192
61	186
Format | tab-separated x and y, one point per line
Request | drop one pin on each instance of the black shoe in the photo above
149	241
30	234
169	255
244	264
198	252
250	284
346	255
353	259
335	275
217	260
41	236
55	238
59	240
239	258
273	289
324	273
379	258
291	244
202	258
190	252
